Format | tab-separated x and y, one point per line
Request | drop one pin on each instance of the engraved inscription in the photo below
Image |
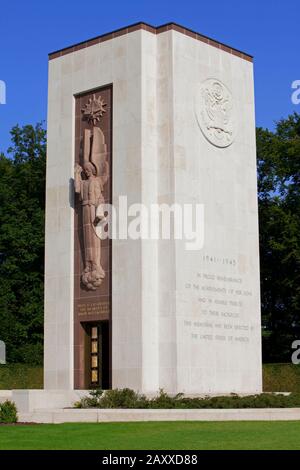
94	308
223	301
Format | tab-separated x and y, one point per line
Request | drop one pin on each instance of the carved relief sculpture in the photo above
90	179
215	113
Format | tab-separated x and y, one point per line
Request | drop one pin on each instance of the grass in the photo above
276	377
19	376
158	435
153	436
281	378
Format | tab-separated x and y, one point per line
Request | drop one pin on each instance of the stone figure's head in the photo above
89	169
217	91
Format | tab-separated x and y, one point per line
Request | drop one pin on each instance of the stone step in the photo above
69	415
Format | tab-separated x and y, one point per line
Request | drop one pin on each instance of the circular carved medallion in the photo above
215	113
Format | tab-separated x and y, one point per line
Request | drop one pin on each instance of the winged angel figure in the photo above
90	180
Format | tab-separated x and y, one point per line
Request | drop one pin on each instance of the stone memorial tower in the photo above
159	116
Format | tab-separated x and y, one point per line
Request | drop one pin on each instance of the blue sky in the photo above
30	29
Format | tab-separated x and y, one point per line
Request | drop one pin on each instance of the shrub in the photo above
123	398
117	398
126	398
8	412
165	401
92	401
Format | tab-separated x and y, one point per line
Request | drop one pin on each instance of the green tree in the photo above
22	203
278	157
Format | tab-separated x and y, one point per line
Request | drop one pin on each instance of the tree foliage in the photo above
22	203
278	158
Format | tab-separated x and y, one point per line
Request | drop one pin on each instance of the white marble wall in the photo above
116	61
224	180
159	156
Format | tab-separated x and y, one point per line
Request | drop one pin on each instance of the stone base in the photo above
108	415
32	400
5	395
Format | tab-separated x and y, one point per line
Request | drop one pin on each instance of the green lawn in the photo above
15	376
281	378
157	436
276	377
